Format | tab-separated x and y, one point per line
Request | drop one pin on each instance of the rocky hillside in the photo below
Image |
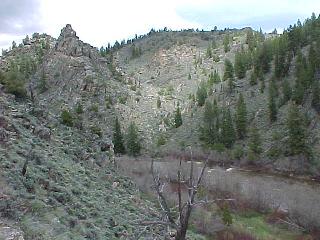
56	180
164	71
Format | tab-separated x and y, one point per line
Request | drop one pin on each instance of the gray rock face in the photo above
69	44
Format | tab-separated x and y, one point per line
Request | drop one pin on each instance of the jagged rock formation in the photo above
69	44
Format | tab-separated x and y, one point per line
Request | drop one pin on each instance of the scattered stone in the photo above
42	132
115	184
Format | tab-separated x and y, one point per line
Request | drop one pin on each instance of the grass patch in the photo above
255	225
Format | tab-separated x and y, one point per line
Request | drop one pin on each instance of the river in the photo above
301	199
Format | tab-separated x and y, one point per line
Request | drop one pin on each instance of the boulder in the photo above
42	132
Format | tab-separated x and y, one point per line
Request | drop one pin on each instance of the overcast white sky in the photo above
101	21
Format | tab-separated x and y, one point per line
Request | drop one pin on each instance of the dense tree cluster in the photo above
218	126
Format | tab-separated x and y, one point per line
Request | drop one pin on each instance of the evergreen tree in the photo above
228	70
229	74
254	144
286	91
209	52
228	135
241	117
240	65
303	78
314	59
226	215
264	57
282	62
207	133
262	86
133	141
103	52
177	118
253	78
201	94
272	102
226	43
214	78
43	86
250	40
297	131
117	138
298	92
316	96
158	102
14	45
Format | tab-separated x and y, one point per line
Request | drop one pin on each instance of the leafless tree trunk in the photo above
184	208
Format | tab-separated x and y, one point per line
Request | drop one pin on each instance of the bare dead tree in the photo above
184	208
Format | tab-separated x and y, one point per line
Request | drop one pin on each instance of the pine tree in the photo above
208	130
253	78
229	74
158	102
228	70
314	59
241	117
133	141
201	94
226	215
43	86
240	65
209	52
272	101
117	138
254	144
297	131
177	118
264	57
250	40
316	96
286	91
14	45
226	43
298	92
228	135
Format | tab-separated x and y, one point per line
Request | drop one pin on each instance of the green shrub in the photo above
133	87
161	140
79	108
237	152
96	130
14	84
109	102
94	108
219	147
67	118
123	99
133	140
158	103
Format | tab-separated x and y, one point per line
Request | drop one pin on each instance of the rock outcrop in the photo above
69	44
